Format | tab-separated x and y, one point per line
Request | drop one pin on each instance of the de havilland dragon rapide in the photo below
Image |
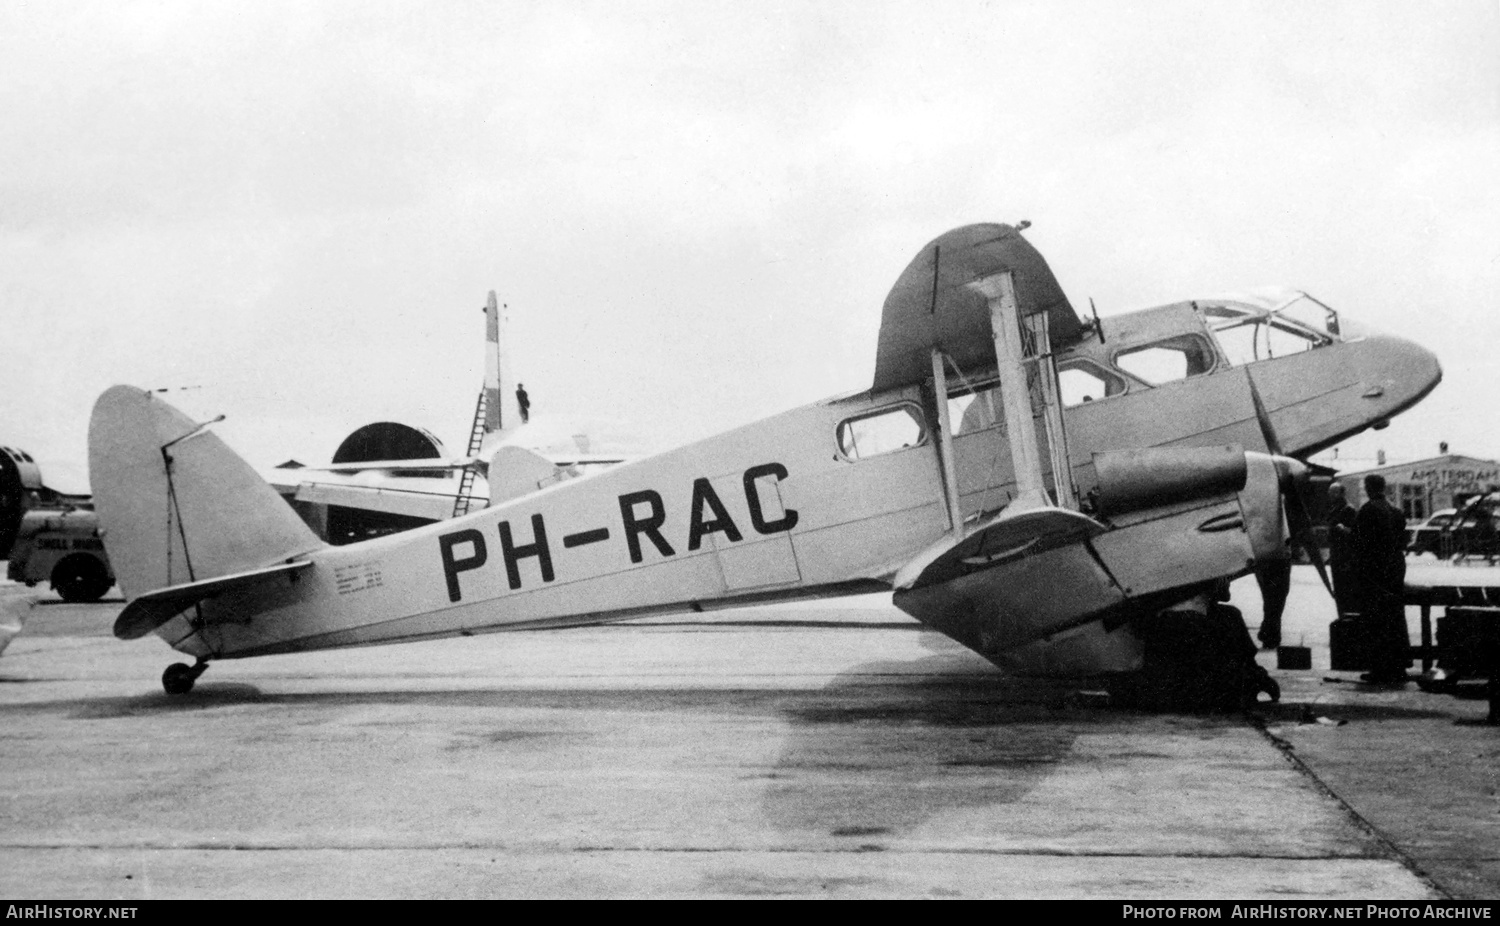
1032	484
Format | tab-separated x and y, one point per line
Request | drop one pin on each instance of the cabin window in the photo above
974	409
881	432
1167	361
1083	382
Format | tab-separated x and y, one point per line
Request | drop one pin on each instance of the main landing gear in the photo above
179	677
1199	658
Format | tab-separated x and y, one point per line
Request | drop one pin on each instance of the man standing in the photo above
1342	557
523	401
1380	539
1274	576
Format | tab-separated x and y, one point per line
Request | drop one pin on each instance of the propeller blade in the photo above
1263	418
1299	522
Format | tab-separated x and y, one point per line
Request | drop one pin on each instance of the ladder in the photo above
465	500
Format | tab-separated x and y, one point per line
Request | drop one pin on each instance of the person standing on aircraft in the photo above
524	401
1343	563
1380	540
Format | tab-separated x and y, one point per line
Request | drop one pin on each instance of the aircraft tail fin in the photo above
175	503
502	413
493	409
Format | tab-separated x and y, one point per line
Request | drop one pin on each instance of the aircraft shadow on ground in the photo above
209	695
865	762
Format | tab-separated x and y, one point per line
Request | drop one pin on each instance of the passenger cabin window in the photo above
1082	382
974	409
1167	361
881	432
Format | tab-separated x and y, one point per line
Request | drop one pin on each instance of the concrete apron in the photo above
802	752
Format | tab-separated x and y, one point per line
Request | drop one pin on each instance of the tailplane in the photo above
176	505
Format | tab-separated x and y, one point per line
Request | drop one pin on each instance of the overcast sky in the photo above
694	210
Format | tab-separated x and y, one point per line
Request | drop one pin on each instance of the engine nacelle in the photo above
1130	480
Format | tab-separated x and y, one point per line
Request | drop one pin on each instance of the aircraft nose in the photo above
1395	373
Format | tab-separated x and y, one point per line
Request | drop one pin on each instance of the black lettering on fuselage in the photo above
703	494
514	554
453	565
650	525
788	519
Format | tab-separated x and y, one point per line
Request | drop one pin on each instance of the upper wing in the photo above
932	306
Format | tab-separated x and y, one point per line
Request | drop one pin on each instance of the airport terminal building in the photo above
1422	487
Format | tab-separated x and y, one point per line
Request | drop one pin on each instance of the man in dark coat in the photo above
1380	540
523	401
1343	558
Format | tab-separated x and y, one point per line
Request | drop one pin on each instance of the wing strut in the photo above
1057	435
946	460
1015	398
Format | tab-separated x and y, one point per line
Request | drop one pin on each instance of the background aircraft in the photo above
1029	484
388	477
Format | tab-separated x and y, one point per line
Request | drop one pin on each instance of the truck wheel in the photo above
80	577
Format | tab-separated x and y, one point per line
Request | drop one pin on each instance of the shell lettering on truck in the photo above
63	548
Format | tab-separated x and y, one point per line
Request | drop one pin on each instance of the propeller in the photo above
1296	478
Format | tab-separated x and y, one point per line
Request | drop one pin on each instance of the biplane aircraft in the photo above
1026	482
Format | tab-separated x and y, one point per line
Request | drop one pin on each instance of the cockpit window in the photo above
1311	314
881	432
1167	361
1293	323
1246	336
1263	340
1081	382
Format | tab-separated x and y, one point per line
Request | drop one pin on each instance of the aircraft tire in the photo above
179	678
80	577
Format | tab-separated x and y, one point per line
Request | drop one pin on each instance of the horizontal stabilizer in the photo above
149	611
1007	537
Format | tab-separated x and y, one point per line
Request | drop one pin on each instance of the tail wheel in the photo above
179	677
80	577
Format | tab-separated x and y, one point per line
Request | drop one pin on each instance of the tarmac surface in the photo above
827	750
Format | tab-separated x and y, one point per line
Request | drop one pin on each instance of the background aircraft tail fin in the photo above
175	503
493	408
502	413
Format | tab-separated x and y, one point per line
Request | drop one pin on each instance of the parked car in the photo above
1428	537
1472	530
